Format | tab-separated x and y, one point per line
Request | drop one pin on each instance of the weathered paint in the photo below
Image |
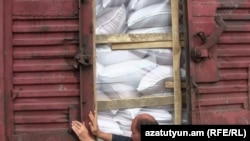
8	68
87	79
225	101
42	87
2	88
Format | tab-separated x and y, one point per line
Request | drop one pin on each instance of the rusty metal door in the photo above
48	67
219	41
2	115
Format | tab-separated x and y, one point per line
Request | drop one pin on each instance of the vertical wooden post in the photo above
176	62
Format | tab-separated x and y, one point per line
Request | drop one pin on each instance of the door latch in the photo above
81	59
201	53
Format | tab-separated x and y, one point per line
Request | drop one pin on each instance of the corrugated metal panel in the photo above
2	89
225	101
45	83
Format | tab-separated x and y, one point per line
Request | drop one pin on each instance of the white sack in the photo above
106	56
157	15
112	21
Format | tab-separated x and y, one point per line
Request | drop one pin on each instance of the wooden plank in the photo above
133	38
176	62
142	45
134	103
128	38
171	85
94	54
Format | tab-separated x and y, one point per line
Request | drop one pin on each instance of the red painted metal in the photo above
41	92
58	136
2	84
87	88
42	87
8	68
225	101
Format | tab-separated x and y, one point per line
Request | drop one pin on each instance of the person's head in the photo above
142	119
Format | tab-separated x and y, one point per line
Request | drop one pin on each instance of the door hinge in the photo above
199	54
83	57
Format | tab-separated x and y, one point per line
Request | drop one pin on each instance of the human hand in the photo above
81	131
93	123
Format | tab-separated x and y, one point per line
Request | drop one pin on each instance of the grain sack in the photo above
153	82
139	4
101	96
112	21
129	72
113	3
106	56
157	15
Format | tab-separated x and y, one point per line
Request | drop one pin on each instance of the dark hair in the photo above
145	121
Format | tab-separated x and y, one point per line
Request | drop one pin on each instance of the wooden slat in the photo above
142	45
133	38
134	103
128	38
176	62
171	85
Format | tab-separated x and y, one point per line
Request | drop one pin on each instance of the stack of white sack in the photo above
154	81
106	56
106	123
101	96
120	91
123	66
105	118
111	16
162	114
125	74
124	118
98	7
149	16
133	16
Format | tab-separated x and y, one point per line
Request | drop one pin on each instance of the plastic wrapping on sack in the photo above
135	5
128	72
111	20
157	15
106	56
98	7
113	3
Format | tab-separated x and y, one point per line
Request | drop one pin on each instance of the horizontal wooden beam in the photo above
133	38
143	45
135	103
171	85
